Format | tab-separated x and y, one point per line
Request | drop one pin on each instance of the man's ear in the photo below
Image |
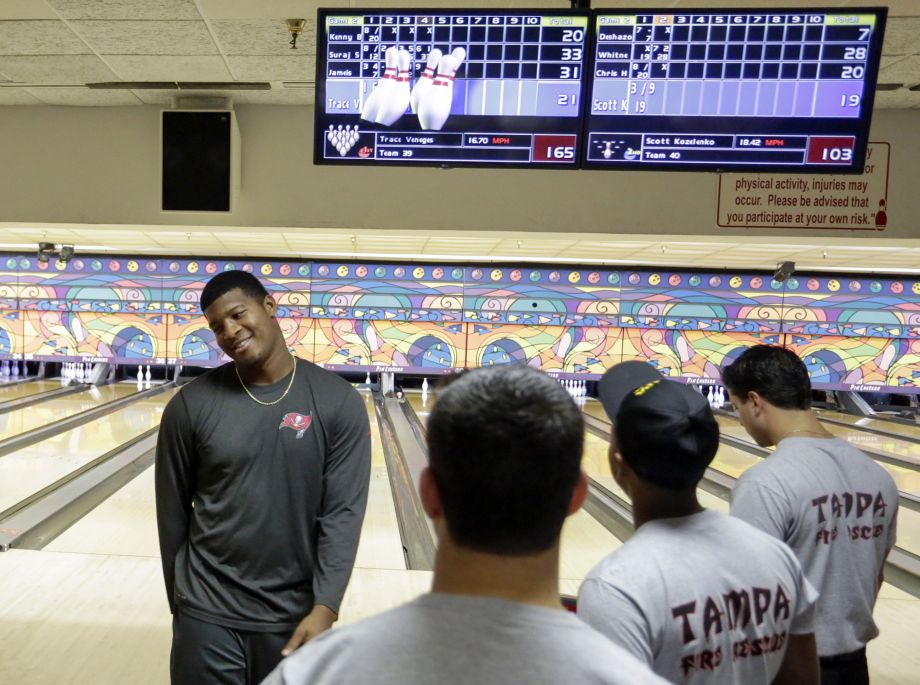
428	493
579	494
270	305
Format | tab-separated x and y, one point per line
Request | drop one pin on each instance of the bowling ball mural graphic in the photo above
431	352
574	277
915	288
418	272
613	278
303	270
380	271
192	267
674	280
554	277
133	343
715	281
833	285
756	282
654	279
322	270
210	268
634	279
174	267
501	351
132	266
195	346
897	287
437	273
342	271
476	274
457	274
399	272
813	284
534	276
824	366
594	278
515	275
875	287
854	286
496	274
734	282
114	265
360	272
266	269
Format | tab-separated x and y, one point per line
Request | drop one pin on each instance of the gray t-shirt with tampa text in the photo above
836	508
443	639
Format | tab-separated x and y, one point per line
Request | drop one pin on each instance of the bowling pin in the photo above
709	396
367	379
397	101
140	374
5	368
381	91
435	108
424	385
147	375
459	54
14	372
423	85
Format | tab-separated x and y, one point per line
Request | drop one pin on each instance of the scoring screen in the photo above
454	88
733	90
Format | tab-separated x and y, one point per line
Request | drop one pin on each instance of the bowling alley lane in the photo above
895	427
584	540
57	408
24	472
15	391
125	523
906	478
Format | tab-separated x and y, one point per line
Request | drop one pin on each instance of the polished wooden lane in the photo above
57	408
19	390
26	471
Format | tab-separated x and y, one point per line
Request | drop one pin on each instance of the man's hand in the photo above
317	621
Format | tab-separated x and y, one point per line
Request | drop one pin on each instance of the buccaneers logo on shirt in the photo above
297	423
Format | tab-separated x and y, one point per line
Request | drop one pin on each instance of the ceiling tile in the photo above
897	99
904	70
56	69
147	37
168	68
289	68
25	9
17	96
84	97
39	37
266	37
126	9
902	36
247	9
276	96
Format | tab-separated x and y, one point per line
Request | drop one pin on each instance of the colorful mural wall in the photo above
431	319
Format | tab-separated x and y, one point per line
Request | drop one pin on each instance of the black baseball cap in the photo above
665	430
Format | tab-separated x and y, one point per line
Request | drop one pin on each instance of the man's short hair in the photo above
774	373
665	430
505	446
226	281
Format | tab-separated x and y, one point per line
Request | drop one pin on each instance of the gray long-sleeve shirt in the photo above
259	508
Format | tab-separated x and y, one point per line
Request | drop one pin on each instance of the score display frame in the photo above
516	99
732	90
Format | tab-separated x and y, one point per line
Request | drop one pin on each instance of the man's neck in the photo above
650	505
278	365
796	423
526	579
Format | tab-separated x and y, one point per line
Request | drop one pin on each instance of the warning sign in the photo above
817	201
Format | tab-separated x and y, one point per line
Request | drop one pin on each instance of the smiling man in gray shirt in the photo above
834	506
505	451
262	472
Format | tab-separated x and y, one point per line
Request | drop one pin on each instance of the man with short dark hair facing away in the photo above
833	505
505	448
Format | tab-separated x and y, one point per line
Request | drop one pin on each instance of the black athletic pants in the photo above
208	654
845	669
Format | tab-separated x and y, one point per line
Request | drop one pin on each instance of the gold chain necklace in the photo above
820	434
256	399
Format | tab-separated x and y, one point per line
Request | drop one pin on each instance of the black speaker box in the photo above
199	150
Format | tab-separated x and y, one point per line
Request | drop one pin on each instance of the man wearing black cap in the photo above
699	596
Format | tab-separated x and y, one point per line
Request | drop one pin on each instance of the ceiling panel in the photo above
126	9
39	37
147	37
17	96
81	97
904	70
169	67
26	9
298	67
74	70
265	37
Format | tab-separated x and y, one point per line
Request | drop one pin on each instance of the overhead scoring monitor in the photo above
450	87
733	90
